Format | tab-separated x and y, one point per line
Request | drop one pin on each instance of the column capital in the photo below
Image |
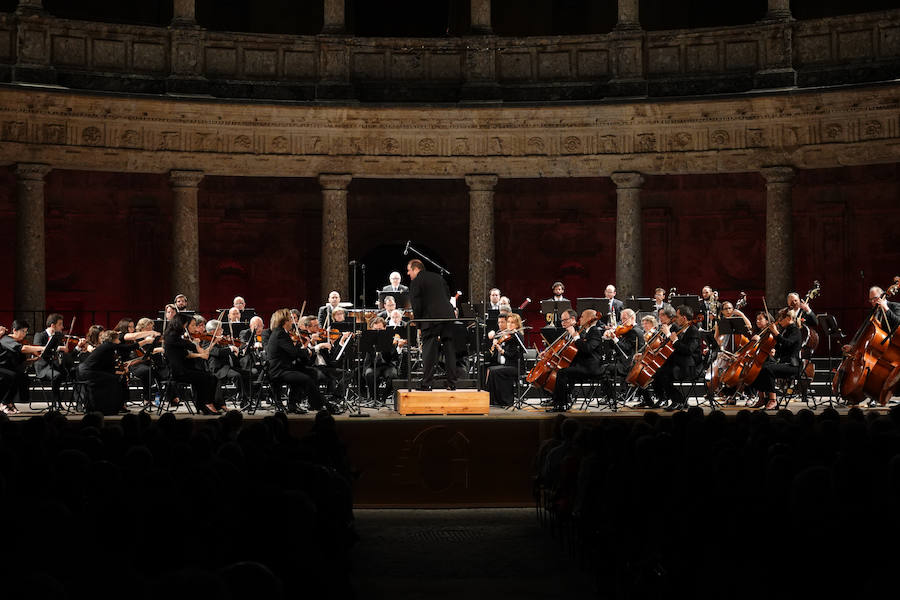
482	183
778	10
627	179
32	171
185	179
335	181
778	174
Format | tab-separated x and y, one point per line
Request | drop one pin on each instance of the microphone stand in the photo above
353	262
441	269
363	267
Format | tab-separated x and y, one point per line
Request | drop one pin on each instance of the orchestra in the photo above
644	348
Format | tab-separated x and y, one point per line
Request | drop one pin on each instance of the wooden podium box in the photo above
443	402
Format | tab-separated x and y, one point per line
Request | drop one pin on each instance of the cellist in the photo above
683	363
785	363
889	315
586	363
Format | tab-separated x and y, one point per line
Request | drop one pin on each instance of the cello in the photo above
748	361
869	360
652	360
556	356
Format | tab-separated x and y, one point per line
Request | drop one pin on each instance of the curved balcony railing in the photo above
142	59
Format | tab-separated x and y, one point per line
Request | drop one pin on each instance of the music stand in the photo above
234	329
829	326
401	298
601	305
555	308
47	356
732	327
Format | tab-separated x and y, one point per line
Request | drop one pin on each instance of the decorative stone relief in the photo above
427	146
681	140
646	142
390	146
130	138
92	136
281	144
719	138
15	131
572	144
872	129
243	143
53	134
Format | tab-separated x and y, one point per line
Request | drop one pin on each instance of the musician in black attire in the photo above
587	361
13	380
380	366
888	315
505	361
682	365
288	361
621	348
786	362
187	361
56	369
430	299
98	370
802	309
225	365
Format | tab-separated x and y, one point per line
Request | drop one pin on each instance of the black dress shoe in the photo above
424	388
451	385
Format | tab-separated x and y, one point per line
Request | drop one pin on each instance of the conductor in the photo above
430	298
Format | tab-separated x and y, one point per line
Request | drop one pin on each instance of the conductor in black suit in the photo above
430	298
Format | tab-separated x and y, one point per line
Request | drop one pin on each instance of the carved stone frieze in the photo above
813	129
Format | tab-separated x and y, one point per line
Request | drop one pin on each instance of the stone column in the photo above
779	235
334	233
333	17
185	235
629	255
31	282
481	234
629	16
481	16
184	13
779	10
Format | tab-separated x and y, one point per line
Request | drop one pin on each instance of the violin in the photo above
500	337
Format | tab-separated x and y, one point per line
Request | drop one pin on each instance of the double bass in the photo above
556	356
653	359
869	364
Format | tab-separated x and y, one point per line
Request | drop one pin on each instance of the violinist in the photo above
625	342
785	363
169	312
505	361
92	339
804	313
586	364
186	360
13	380
289	361
151	370
683	363
224	363
98	370
56	367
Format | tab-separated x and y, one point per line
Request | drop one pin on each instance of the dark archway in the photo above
381	260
